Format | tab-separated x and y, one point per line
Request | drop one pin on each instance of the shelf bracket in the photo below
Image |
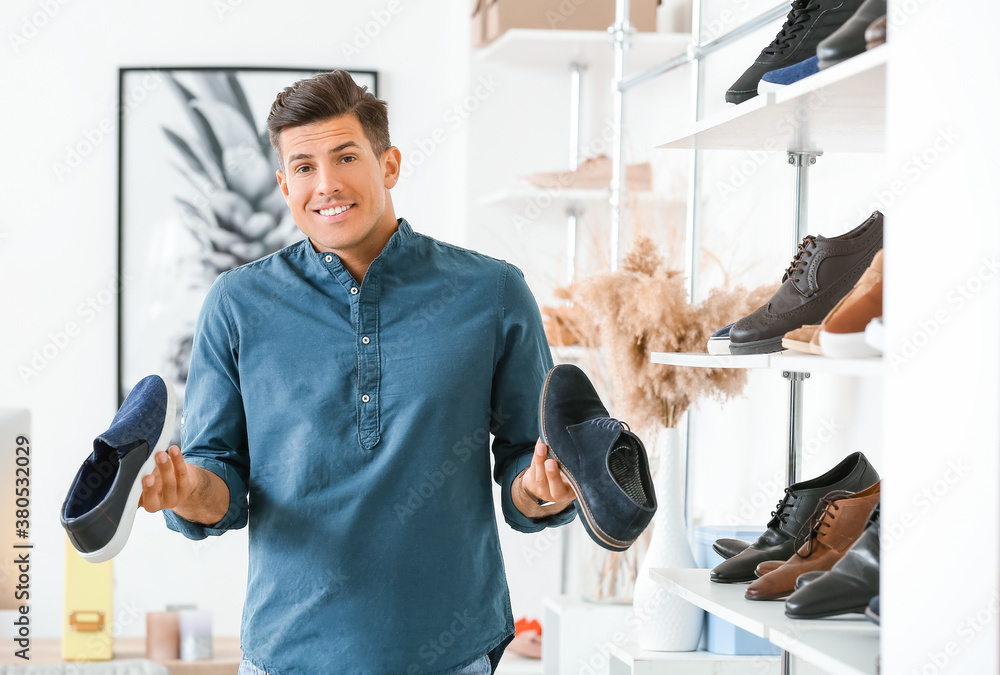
795	381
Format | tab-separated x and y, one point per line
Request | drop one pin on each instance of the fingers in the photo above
559	489
167	485
543	478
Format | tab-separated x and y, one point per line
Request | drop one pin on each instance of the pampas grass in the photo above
643	308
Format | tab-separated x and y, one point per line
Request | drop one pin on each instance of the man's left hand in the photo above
543	481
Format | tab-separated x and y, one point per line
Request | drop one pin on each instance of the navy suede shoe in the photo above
103	498
604	461
778	79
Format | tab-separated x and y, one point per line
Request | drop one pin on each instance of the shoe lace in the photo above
781	511
610	423
820	518
798	265
795	22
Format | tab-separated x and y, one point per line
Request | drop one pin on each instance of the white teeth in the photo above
334	211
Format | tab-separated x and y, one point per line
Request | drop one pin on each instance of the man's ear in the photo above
281	181
390	162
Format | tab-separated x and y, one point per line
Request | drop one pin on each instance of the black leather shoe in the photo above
854	474
603	460
848	586
823	271
727	548
808	23
849	39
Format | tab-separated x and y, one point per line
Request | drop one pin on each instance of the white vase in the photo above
667	623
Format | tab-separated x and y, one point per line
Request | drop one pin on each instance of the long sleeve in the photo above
517	385
213	426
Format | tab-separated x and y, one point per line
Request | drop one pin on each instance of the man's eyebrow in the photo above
342	146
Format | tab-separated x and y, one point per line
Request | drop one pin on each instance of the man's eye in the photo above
348	157
302	168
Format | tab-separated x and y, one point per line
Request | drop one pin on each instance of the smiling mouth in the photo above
336	211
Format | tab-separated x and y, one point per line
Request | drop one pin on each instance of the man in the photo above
349	384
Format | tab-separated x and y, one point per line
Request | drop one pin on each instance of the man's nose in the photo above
329	183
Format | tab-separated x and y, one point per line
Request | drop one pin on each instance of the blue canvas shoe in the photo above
777	80
603	460
103	498
718	342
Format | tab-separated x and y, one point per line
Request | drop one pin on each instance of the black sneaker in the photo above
807	24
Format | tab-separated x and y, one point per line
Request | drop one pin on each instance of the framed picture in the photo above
197	196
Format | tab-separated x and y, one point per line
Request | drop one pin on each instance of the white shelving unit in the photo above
840	109
842	646
535	47
554	197
785	362
630	659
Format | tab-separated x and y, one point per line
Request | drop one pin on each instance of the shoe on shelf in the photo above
718	342
767	566
804	339
823	271
727	548
102	500
853	473
601	458
872	612
838	522
776	80
807	24
842	333
849	39
594	174
875	34
850	584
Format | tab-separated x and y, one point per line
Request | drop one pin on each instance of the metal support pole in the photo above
620	39
794	423
801	160
786	663
572	214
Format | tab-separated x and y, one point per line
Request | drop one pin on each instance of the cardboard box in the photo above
502	15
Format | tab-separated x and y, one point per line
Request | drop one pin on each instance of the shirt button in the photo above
329	258
354	290
366	398
365	340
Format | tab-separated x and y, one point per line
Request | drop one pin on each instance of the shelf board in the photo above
548	197
690	663
840	109
539	47
780	361
842	646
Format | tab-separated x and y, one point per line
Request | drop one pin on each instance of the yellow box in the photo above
87	634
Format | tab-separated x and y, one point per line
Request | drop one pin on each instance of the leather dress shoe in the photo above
601	458
767	566
838	522
727	548
822	272
849	39
854	473
849	585
807	24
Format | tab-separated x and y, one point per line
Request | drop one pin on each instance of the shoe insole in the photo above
623	462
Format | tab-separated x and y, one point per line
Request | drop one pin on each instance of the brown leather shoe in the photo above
837	522
768	566
805	339
842	333
824	271
875	34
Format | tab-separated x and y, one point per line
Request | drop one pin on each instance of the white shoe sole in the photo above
117	543
875	334
718	347
845	345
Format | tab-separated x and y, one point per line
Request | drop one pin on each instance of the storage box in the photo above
723	637
87	634
502	15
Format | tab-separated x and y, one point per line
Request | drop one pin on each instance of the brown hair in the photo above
326	96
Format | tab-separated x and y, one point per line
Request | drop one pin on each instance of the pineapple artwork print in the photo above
234	208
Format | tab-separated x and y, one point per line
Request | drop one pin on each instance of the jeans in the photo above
480	666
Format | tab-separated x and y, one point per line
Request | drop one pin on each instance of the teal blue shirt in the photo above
351	423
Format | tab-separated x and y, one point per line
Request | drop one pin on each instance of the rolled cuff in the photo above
236	514
513	516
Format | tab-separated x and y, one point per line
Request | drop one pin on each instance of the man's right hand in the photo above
171	482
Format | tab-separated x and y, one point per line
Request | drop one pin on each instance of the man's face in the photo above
335	186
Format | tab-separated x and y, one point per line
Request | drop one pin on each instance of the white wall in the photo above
58	238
